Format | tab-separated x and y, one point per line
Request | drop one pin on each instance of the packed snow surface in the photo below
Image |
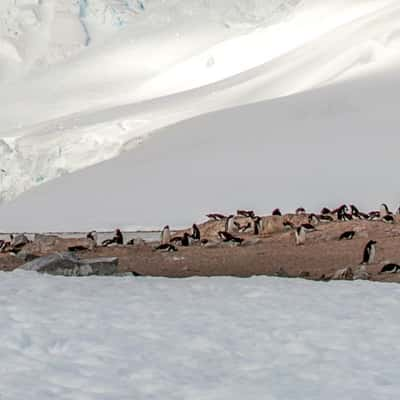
82	82
198	338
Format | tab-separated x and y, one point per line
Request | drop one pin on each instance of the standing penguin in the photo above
165	235
369	252
229	225
384	210
185	240
257	225
93	236
300	234
195	232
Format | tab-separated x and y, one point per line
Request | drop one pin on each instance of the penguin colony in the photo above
253	225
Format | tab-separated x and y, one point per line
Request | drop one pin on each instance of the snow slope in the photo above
199	338
339	144
208	58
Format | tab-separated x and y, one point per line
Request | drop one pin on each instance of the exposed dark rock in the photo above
68	264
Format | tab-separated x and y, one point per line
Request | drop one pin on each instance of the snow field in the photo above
64	113
198	338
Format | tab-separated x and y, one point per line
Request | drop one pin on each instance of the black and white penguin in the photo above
356	213
118	239
374	215
165	235
216	216
93	236
300	235
325	218
246	213
229	223
308	227
131	242
167	247
227	237
325	211
257	225
348	235
287	225
300	211
242	228
369	252
185	240
195	232
384	210
391	268
277	212
389	219
203	242
342	213
313	219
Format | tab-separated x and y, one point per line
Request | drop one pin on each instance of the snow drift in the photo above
219	338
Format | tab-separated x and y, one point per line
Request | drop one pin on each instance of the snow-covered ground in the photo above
198	338
82	82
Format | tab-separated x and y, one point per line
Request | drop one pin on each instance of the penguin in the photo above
227	237
277	212
389	219
165	235
313	219
369	252
245	213
185	242
93	236
300	211
242	228
342	213
384	210
195	232
229	223
325	211
391	267
131	242
257	225
308	227
166	247
287	225
356	213
374	215
118	237
348	235
300	234
216	216
324	218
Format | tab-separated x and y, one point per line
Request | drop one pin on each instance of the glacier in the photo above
69	105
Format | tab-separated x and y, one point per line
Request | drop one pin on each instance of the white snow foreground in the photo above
198	338
151	65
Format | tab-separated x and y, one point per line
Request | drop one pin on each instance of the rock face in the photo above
343	274
361	273
68	264
19	242
45	244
